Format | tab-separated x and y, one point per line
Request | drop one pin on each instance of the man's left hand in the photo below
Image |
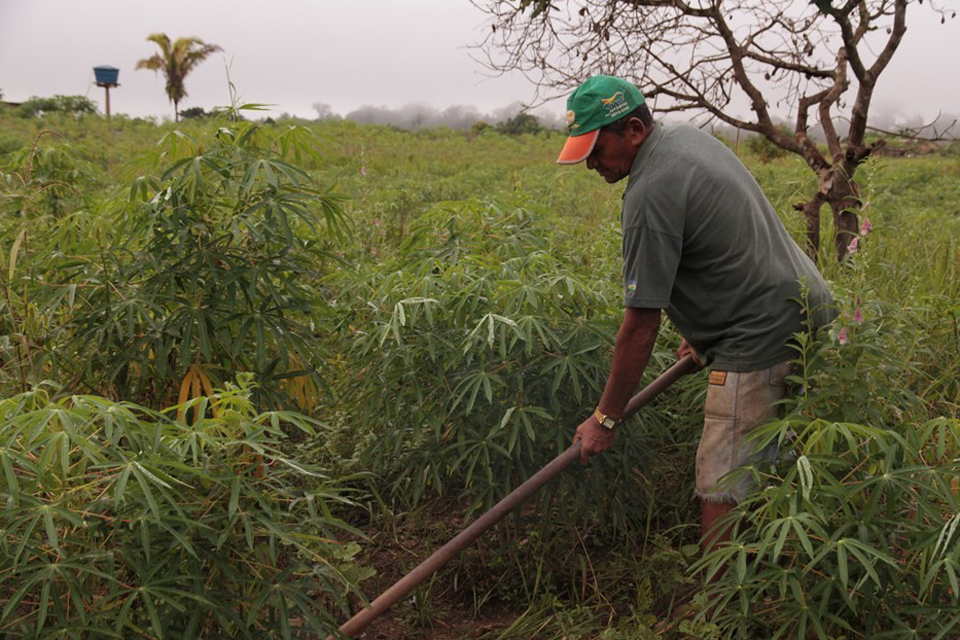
593	437
687	350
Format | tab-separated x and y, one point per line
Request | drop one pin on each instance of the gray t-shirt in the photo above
702	241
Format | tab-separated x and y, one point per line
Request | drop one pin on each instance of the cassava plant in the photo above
119	521
210	266
491	348
855	533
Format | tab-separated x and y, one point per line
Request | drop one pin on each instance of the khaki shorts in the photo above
736	404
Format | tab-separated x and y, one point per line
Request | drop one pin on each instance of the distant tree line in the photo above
72	105
513	119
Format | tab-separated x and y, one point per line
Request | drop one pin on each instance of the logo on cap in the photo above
615	105
618	94
571	117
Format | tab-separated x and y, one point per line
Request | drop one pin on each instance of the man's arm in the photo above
635	340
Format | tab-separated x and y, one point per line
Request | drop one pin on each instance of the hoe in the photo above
355	625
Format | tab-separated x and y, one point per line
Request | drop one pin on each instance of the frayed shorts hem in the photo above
722	497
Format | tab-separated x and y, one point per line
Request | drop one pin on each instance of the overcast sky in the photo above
346	53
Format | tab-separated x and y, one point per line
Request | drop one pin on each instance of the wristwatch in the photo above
605	421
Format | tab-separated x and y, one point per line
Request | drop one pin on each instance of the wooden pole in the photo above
106	88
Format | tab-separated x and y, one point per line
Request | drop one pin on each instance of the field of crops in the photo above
252	373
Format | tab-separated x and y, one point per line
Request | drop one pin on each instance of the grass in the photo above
419	408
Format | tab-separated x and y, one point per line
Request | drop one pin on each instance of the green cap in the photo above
599	101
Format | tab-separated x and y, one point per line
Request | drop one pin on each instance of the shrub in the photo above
856	532
9	143
119	521
211	267
479	127
72	105
760	146
194	112
520	124
48	179
493	348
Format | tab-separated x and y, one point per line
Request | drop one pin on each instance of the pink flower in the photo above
842	336
865	227
363	170
857	316
854	245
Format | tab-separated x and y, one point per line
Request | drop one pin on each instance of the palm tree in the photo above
176	60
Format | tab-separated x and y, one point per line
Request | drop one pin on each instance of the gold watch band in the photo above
604	420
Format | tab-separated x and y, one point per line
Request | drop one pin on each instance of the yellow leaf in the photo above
196	394
207	389
184	393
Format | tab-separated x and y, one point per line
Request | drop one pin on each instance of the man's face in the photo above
612	157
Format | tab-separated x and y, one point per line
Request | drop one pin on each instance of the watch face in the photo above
609	423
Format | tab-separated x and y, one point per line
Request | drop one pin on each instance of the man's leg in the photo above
712	531
737	402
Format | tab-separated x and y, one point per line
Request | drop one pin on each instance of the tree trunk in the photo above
811	213
838	190
176	111
844	200
845	226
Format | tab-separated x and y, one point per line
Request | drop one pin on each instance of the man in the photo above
701	241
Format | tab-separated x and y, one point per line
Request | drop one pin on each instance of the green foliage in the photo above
47	180
765	150
209	262
520	124
458	333
9	143
121	259
479	127
212	262
73	105
951	148
194	112
855	532
491	346
121	522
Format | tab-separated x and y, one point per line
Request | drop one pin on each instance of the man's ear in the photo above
637	131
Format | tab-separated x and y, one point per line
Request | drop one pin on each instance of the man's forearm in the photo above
635	341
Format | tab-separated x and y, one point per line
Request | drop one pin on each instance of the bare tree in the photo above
712	56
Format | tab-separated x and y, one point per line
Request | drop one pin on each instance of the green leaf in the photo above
234	497
44	602
51	529
806	476
13	485
842	564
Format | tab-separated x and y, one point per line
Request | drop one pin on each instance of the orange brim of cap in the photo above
578	148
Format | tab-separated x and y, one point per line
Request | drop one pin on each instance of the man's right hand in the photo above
686	350
594	438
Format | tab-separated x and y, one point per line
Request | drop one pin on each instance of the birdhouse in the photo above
106	76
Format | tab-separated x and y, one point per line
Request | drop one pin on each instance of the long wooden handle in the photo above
478	527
